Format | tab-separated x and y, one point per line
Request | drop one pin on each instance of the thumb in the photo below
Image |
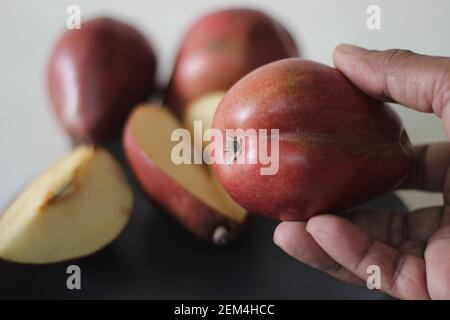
416	81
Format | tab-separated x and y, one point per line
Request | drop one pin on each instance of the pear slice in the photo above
75	208
189	191
203	109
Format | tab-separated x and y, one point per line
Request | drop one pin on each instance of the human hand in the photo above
412	250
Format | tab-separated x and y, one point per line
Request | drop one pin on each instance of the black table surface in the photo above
155	258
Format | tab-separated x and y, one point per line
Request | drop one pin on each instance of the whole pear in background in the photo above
96	75
222	47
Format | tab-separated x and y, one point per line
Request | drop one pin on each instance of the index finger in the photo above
416	81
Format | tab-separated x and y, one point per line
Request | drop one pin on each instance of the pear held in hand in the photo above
337	146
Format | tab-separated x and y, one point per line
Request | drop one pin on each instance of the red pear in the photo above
337	146
96	75
221	48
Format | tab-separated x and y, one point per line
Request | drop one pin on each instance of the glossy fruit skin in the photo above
96	75
338	147
196	216
221	48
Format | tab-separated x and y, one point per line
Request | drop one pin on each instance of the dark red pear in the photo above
96	75
338	147
222	47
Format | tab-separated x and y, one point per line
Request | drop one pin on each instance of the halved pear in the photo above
189	191
75	208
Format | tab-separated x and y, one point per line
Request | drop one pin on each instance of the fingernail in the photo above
349	49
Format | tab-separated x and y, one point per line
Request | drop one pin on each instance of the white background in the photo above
30	139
